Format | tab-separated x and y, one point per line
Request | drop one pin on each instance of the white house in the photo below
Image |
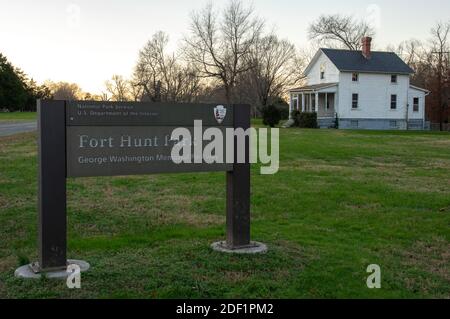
360	90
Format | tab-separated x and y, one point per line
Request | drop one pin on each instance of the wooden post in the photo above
52	186
238	188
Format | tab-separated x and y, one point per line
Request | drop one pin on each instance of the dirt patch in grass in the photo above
111	210
15	139
7	266
391	171
444	141
437	163
356	165
6	203
420	184
8	263
366	207
433	257
427	267
311	166
99	206
2	289
236	276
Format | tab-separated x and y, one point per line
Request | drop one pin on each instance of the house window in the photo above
393	124
393	102
416	104
354	124
355	77
355	98
394	78
322	71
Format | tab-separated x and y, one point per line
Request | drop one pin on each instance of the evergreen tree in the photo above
13	90
17	92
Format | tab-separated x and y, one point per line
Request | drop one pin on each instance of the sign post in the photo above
238	188
52	186
86	139
238	196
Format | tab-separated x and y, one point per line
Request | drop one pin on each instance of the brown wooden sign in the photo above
86	113
111	139
127	150
85	138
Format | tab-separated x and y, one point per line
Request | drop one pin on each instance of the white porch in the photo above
320	98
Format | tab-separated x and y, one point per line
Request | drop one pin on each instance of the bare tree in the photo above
276	68
411	51
118	88
65	90
104	97
161	76
219	43
340	30
135	91
440	48
92	97
430	61
151	68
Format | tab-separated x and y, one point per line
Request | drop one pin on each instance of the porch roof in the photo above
313	88
419	89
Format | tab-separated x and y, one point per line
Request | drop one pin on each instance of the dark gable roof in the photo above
380	62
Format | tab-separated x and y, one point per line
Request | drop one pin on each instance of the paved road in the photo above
9	128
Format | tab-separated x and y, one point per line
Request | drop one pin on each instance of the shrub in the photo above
283	107
305	119
295	115
284	111
271	115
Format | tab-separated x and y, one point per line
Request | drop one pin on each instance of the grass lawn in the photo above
17	116
341	201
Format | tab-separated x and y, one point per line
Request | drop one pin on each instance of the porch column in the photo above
326	102
316	102
303	102
310	103
290	105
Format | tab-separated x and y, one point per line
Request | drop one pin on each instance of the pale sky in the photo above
87	41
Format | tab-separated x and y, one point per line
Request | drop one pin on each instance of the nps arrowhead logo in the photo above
219	113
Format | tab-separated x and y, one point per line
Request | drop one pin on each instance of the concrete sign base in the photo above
28	273
253	248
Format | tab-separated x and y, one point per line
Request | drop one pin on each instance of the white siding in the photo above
331	72
421	113
374	92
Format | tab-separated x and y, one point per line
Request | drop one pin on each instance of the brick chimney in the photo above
366	47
